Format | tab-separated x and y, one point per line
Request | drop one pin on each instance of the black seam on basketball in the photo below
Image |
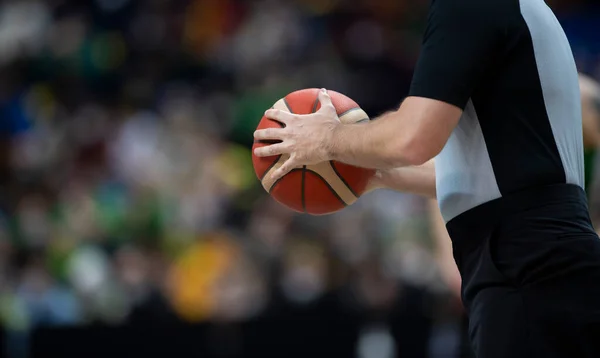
348	111
342	178
314	109
304	171
302	193
287	105
280	179
270	167
329	186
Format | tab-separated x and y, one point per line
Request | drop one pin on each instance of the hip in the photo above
543	237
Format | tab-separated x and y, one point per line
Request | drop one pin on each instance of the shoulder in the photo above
489	19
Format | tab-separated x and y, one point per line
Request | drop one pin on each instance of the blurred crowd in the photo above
127	192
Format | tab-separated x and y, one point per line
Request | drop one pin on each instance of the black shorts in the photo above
530	265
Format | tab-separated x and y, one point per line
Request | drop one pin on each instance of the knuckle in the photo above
275	115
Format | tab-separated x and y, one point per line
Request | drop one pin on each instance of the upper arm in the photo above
429	124
460	44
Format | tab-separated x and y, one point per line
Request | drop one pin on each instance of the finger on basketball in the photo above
326	103
279	116
271	150
284	169
269	134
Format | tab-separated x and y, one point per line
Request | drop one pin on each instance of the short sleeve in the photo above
462	40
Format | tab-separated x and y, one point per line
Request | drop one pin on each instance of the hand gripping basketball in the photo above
305	138
291	152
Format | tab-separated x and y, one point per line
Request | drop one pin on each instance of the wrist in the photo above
331	144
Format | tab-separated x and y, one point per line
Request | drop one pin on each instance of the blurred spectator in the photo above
128	194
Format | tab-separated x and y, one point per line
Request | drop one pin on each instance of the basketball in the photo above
318	189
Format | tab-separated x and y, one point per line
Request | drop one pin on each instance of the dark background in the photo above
131	222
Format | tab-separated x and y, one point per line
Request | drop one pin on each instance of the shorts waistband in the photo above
483	219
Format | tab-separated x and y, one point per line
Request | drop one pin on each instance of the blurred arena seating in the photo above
131	223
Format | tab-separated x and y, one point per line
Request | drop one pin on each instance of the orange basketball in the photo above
314	189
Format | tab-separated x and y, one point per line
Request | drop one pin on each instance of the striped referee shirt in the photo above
509	65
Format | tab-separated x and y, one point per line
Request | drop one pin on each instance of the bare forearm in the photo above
419	180
410	136
443	250
374	145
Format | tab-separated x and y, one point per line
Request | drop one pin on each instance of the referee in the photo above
495	99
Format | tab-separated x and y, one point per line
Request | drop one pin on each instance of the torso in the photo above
522	127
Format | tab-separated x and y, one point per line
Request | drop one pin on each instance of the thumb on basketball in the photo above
325	100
